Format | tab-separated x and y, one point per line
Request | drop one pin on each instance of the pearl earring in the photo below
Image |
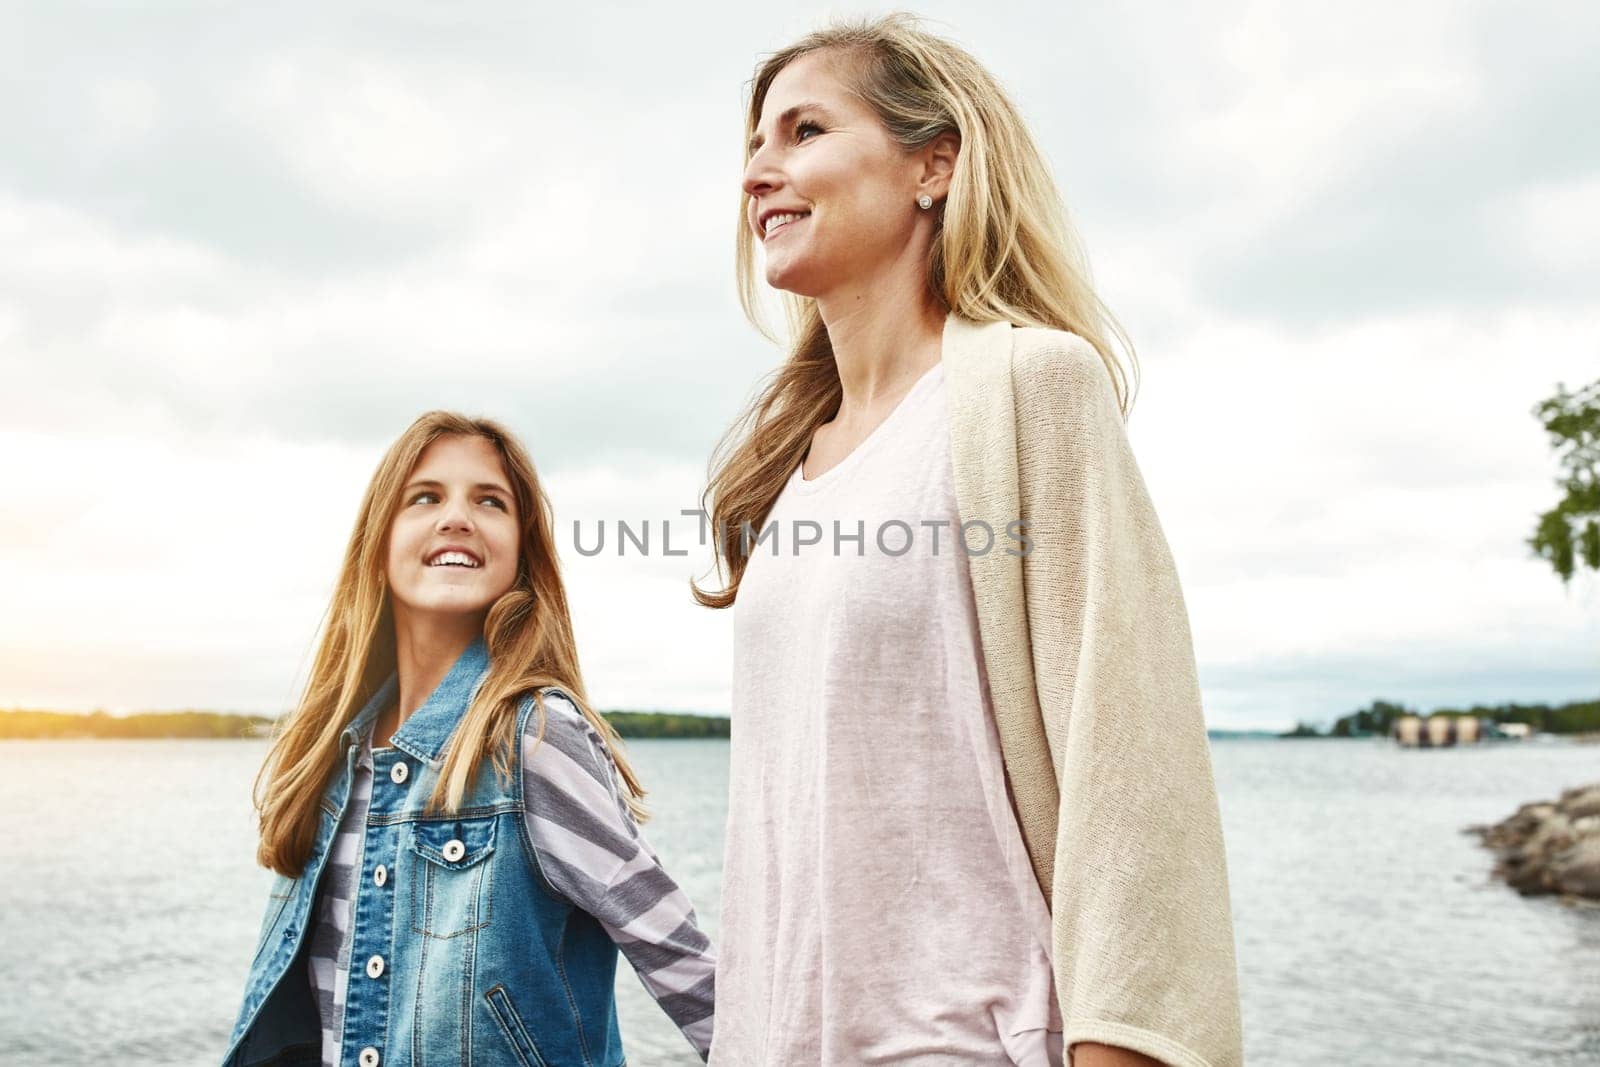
924	201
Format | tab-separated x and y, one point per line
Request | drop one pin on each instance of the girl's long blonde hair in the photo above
528	632
1004	251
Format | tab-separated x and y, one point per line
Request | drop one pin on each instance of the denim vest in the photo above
462	953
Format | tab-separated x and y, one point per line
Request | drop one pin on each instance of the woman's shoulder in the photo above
1048	359
1059	379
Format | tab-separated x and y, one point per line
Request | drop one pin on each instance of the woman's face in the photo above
453	543
832	195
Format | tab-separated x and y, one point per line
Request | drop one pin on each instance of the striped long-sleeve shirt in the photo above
590	850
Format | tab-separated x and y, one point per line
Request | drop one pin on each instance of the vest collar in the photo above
426	731
424	734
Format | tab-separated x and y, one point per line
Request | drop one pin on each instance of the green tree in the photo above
1378	718
1570	531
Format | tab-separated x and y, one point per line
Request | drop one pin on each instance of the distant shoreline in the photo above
220	726
1578	720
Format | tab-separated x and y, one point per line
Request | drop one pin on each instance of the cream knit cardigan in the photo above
1091	669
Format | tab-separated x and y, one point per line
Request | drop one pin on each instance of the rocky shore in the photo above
1550	847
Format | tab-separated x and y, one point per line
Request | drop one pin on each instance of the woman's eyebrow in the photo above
757	140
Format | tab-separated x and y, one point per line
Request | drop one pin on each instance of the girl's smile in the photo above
452	556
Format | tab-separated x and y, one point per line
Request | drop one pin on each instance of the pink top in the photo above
878	903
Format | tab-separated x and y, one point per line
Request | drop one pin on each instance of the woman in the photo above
971	816
453	827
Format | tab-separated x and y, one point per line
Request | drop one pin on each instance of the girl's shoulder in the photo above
565	726
558	701
567	757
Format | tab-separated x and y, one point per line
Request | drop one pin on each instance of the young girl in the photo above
454	829
972	817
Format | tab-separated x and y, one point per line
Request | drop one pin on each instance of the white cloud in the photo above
1556	226
645	643
1353	246
1361	492
387	135
128	111
1303	97
156	570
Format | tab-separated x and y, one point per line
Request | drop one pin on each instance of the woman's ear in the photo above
939	165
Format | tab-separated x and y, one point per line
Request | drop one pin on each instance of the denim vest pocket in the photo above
510	1023
452	889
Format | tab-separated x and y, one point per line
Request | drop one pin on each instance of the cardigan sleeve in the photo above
1140	916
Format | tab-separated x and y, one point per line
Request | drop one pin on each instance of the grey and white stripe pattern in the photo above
591	851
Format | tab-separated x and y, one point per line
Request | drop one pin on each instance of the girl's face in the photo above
453	543
832	195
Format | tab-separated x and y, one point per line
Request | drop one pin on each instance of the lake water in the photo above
1368	931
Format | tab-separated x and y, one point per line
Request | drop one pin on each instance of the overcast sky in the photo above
241	247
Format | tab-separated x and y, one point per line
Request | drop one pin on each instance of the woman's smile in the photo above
776	223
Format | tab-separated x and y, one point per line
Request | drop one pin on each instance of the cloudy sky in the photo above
242	247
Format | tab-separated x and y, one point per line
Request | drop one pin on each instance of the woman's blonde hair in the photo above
528	632
1003	251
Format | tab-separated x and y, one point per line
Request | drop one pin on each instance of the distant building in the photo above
1437	731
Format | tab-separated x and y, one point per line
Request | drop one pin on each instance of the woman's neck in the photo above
884	336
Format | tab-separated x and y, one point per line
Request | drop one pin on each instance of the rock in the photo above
1549	847
1553	835
1577	870
1527	879
1582	803
1516	829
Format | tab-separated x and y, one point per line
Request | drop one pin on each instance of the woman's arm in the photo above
591	851
1141	914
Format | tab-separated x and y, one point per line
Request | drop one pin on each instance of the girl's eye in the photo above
494	501
801	128
425	497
